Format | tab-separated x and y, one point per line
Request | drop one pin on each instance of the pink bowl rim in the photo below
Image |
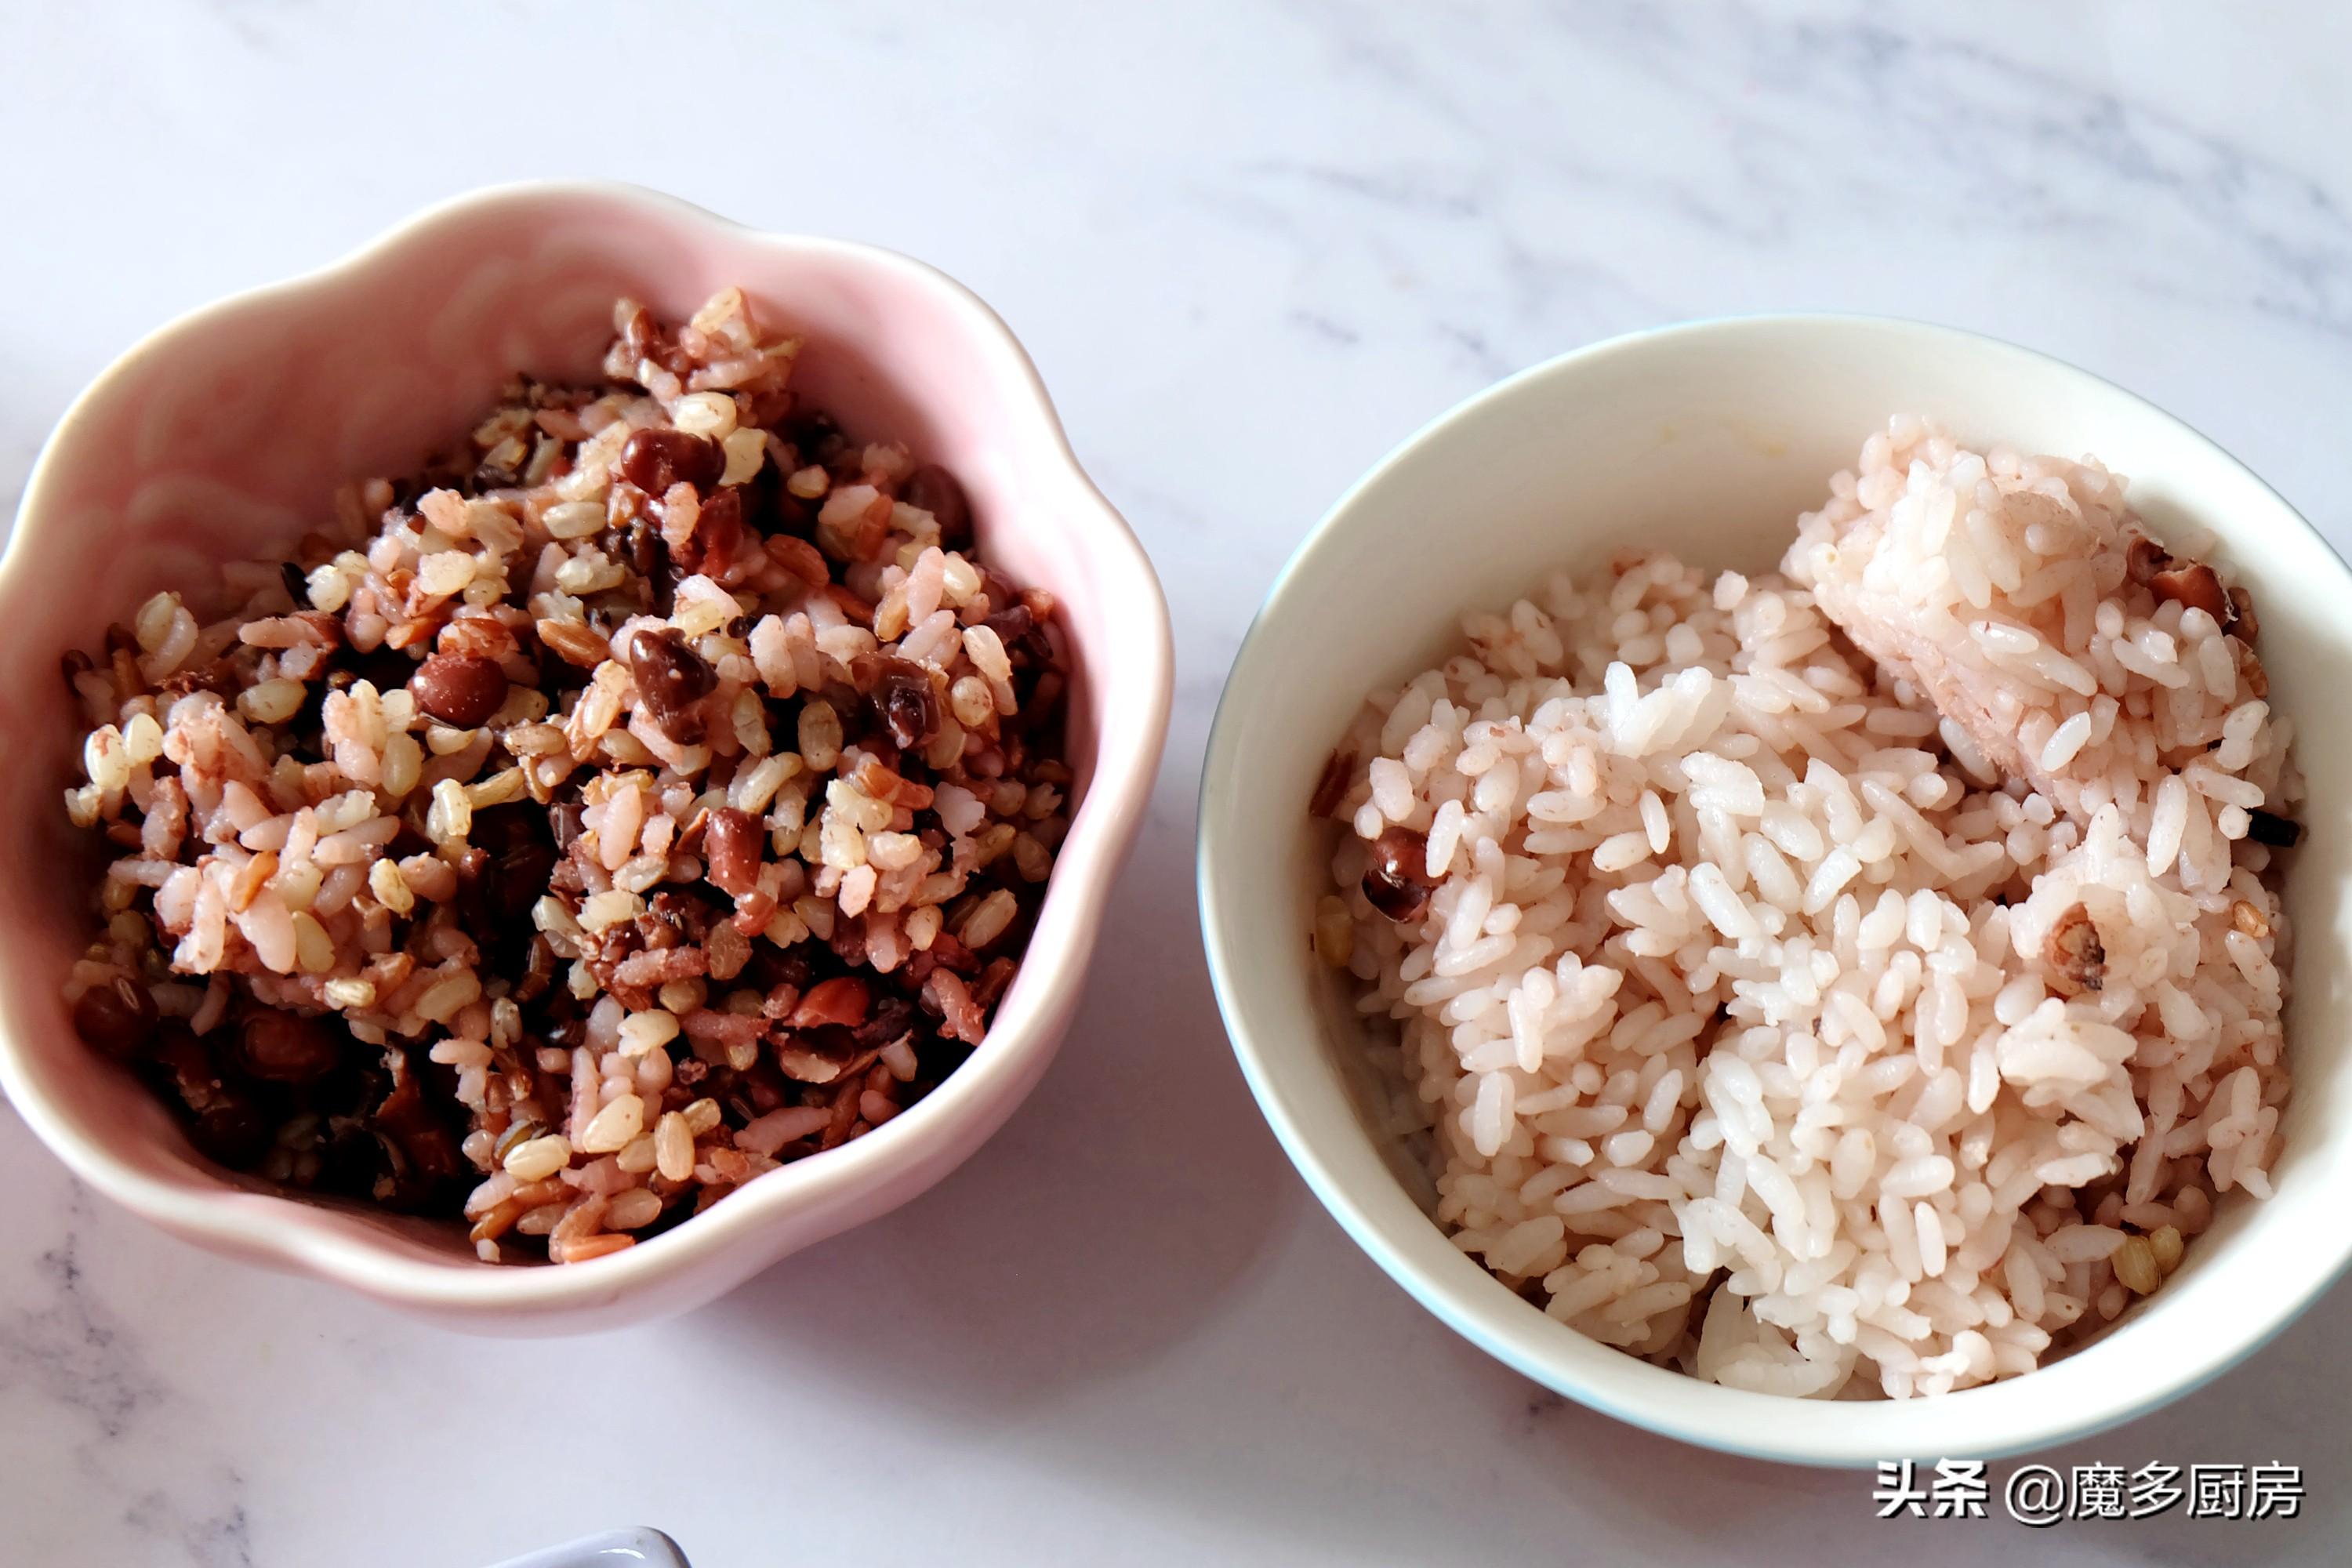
296	1237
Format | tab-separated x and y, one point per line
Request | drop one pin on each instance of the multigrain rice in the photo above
657	790
1859	979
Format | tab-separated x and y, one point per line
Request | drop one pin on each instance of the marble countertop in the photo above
1251	246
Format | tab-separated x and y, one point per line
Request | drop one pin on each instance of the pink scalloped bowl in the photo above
218	435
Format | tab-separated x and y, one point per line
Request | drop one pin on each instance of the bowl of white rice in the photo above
1766	872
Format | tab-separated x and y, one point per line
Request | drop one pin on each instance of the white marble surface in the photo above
1251	247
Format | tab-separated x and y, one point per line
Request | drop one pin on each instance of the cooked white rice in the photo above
1822	1021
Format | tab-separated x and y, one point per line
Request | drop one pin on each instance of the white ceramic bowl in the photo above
220	434
1707	439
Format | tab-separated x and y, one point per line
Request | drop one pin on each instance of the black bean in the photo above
2268	827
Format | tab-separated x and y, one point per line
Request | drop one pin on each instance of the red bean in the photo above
892	1018
1333	784
408	1122
817	1056
732	843
752	913
717	536
992	981
671	678
2240	623
1398	881
908	704
799	557
521	856
652	460
841	1000
2195	586
477	634
285	1048
231	1131
224	1121
459	689
1024	640
2073	951
2143	558
643	549
116	1018
936	491
646	340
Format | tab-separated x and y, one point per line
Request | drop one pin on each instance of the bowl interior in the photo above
227	433
1707	440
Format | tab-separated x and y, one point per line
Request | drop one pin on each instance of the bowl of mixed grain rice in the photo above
583	751
1806	923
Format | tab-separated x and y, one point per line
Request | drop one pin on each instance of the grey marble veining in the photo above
110	1421
1252	247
